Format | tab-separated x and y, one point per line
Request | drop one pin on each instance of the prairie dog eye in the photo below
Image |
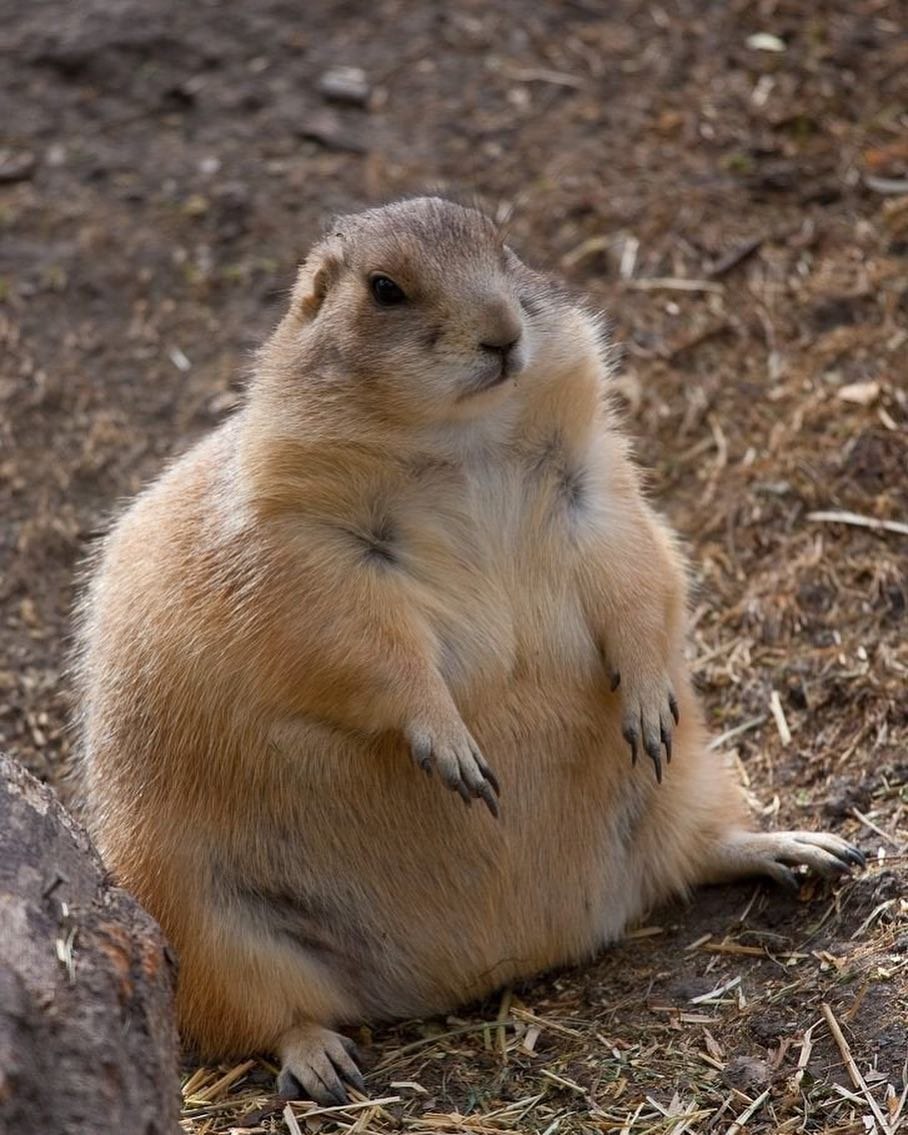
385	292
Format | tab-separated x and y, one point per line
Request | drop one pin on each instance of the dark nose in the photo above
501	346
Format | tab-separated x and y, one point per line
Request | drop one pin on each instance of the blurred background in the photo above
729	181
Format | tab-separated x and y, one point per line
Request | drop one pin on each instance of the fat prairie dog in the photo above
420	547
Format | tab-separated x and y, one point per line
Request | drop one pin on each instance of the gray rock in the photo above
346	84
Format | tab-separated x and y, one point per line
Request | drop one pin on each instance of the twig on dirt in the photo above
543	75
679	1114
867	822
543	1022
849	750
335	1108
410	1085
740	1123
853	1071
562	1082
64	948
628	258
804	1055
778	714
721	446
501	1031
530	1037
290	1119
744	727
742	917
831	909
888	186
734	948
673	284
644	932
872	917
673	350
723	648
855	1007
711	1061
856	520
852	1097
588	247
632	1119
734	257
197	1078
745	250
694	450
179	359
715	994
440	1038
210	1094
896	1112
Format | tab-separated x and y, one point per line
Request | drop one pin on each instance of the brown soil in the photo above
164	167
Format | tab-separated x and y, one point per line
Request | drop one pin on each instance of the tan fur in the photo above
372	556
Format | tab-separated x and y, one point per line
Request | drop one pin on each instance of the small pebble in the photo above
746	1073
16	166
346	84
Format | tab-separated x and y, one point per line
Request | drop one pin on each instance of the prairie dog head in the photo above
421	308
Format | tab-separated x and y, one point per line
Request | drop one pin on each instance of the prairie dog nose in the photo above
501	348
502	332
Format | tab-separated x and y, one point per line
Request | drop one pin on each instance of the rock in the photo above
746	1073
325	128
87	1035
347	85
860	393
16	166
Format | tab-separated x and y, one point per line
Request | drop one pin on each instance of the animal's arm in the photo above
348	646
634	589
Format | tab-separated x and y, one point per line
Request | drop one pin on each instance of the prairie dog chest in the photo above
563	512
491	549
454	538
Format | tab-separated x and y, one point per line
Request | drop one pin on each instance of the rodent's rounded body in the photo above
409	902
339	578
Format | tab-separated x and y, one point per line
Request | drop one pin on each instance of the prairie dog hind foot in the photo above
318	1064
743	854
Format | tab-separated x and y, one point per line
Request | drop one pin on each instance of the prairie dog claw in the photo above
318	1064
455	756
776	854
650	714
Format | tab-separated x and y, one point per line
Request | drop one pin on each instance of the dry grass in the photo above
557	1060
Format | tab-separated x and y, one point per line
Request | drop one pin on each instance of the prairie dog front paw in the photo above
449	750
649	714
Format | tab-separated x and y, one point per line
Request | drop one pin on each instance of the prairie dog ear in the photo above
317	275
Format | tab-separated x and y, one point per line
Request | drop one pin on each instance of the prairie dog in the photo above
421	546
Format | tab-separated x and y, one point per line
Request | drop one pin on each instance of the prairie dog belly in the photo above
451	900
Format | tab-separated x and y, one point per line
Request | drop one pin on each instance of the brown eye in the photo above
385	292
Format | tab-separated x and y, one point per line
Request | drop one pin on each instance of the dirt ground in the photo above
728	180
